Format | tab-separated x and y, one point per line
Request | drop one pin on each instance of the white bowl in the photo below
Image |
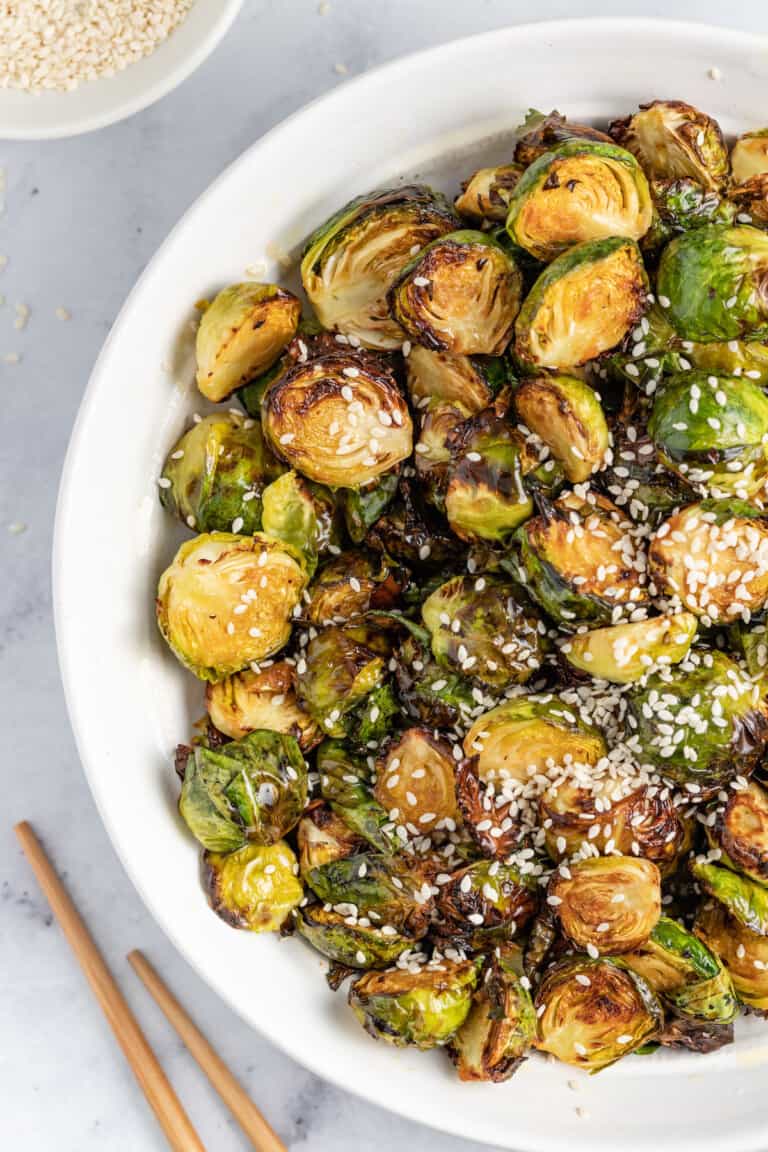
46	115
433	115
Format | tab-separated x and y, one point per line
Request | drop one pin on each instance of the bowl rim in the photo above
706	34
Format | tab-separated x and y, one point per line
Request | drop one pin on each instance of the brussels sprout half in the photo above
743	952
545	132
485	902
740	832
460	295
712	430
582	305
579	191
387	891
627	652
427	691
254	888
351	584
593	1021
749	156
227	600
750	201
478	627
740	896
345	782
253	789
351	261
498	1033
423	1007
241	335
491	820
411	532
248	701
611	903
353	945
340	420
582	564
673	139
470	381
303	515
680	205
415	777
719	713
515	740
338	671
322	836
486	195
362	507
713	557
715	281
567	415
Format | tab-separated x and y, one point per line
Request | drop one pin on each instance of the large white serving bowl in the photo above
434	115
45	115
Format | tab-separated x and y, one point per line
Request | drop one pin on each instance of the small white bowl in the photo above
47	115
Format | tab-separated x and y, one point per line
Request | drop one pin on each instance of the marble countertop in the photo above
79	221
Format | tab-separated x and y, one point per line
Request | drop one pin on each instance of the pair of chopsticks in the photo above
156	1086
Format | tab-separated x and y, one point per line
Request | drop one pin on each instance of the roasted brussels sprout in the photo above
740	896
712	284
362	507
381	888
215	473
415	777
681	205
459	295
322	837
227	600
582	305
433	449
310	341
749	156
636	480
254	888
712	430
713	557
336	674
339	419
491	820
351	584
498	1033
485	196
351	260
567	415
743	952
591	1013
354	945
424	1007
515	740
740	832
627	652
545	132
241	335
485	902
579	191
583	563
700	723
477	625
302	515
751	642
750	201
485	497
412	533
611	903
427	691
253	789
345	782
469	381
672	139
248	701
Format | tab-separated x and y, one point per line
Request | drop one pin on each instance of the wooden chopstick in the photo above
155	1084
228	1087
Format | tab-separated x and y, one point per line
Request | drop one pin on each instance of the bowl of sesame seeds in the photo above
70	67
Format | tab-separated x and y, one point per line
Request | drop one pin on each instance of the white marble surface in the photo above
81	219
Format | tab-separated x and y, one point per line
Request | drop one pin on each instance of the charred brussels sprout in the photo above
712	430
459	295
214	475
351	584
749	156
750	201
740	896
362	507
427	691
352	260
411	532
338	671
492	820
340	420
345	782
227	600
582	305
582	562
672	139
713	557
354	945
423	1008
478	626
254	888
415	776
241	335
515	740
486	195
593	1021
248	701
323	837
579	191
680	205
611	903
627	652
716	282
498	1033
743	952
740	832
470	381
699	723
302	515
567	415
484	903
253	789
545	132
381	888
434	448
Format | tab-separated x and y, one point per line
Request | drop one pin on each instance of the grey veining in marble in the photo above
81	219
